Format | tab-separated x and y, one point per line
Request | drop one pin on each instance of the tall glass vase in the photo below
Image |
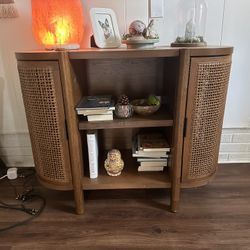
192	15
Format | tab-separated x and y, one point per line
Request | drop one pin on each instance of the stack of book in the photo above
96	108
151	151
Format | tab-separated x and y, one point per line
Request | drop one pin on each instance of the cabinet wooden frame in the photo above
80	72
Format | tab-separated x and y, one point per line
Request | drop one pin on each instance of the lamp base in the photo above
71	46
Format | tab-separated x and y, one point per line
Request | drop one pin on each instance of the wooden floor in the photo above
213	217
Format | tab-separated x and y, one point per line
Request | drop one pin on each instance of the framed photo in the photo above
105	28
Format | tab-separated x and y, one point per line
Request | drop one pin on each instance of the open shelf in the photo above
130	178
159	119
94	53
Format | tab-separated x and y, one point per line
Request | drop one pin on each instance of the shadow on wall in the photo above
1	106
1	112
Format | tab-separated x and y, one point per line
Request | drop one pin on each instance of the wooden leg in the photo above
79	201
175	196
174	206
74	137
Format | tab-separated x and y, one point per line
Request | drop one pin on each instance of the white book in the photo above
150	154
93	118
92	153
152	159
153	164
95	112
148	168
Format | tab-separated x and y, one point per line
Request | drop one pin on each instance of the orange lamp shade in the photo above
58	24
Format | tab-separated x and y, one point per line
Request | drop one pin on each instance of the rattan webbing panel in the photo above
42	96
205	110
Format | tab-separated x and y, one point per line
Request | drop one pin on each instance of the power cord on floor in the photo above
11	174
28	195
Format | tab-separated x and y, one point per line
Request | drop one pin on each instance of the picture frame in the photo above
105	28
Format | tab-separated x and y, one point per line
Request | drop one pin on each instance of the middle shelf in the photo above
160	119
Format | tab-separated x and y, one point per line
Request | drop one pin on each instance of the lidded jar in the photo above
192	15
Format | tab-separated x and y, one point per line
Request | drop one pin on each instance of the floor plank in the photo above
213	217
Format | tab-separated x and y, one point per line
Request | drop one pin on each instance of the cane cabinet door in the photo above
207	89
43	101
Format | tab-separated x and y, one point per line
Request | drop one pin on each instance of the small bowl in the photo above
142	108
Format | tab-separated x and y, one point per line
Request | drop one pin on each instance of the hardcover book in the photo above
147	154
153	142
95	102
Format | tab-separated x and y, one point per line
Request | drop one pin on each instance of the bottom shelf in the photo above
130	178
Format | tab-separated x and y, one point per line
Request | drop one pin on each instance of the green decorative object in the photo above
153	100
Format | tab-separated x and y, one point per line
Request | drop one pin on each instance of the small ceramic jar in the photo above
114	163
124	111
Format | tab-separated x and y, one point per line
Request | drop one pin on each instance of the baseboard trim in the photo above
15	148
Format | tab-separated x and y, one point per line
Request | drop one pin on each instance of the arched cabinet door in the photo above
43	101
207	89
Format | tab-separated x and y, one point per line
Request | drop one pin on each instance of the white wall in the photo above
15	35
227	24
237	32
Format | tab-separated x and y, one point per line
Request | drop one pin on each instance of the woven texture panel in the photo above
44	118
207	116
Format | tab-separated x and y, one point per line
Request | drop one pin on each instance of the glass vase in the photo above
192	15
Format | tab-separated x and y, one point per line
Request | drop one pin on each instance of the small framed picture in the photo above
105	28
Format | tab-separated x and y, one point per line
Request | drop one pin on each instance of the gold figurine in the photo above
114	163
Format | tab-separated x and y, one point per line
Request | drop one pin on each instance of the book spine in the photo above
93	154
95	112
100	117
153	164
148	168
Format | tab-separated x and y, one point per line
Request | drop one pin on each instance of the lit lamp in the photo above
58	24
192	16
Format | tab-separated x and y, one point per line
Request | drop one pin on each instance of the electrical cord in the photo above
3	177
27	196
31	211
